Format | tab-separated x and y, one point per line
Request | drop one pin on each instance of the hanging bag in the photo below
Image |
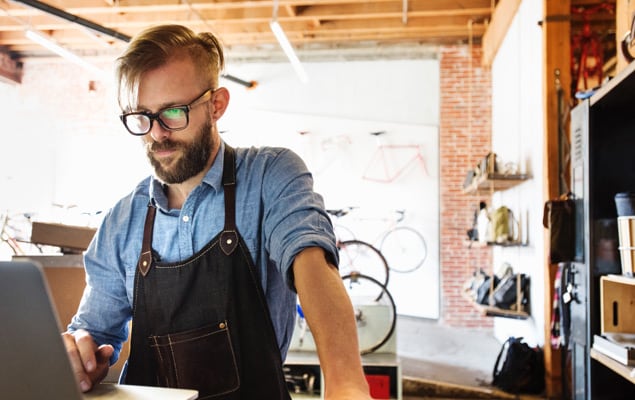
559	218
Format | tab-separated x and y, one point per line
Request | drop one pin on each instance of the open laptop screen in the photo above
33	360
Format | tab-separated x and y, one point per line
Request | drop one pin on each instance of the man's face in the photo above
184	159
176	156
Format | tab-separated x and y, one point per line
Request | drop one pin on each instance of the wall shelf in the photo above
491	311
494	182
477	244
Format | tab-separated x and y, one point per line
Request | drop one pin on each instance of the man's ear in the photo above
220	100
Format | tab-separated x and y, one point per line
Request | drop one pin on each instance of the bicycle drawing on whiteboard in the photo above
389	161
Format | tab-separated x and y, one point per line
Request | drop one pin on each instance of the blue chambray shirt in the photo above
277	213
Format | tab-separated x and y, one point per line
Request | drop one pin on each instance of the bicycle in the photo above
393	167
359	256
14	234
375	316
402	247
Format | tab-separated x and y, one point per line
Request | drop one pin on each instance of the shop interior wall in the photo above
67	146
517	137
60	126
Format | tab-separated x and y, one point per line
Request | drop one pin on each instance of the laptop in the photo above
33	360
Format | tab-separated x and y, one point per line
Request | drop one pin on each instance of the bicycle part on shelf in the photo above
376	316
628	41
404	249
364	258
303	326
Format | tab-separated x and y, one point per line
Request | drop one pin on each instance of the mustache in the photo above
162	146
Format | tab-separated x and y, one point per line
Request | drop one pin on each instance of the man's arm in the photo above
330	315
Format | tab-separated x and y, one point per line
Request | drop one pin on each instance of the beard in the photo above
194	159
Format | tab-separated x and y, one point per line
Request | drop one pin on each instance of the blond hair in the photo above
155	46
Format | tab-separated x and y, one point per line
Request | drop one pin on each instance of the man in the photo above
205	256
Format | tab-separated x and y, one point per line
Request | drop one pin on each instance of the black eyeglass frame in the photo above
204	97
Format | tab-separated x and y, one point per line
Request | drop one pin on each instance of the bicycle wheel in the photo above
376	316
404	248
362	257
343	233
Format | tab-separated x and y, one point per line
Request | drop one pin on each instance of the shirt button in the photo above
186	218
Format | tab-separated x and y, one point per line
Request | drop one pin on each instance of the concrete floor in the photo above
430	351
442	362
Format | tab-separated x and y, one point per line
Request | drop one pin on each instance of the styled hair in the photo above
156	46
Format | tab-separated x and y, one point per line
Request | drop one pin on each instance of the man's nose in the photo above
158	133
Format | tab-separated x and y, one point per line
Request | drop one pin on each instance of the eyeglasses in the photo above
173	118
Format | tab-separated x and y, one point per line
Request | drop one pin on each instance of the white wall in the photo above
328	122
54	157
517	136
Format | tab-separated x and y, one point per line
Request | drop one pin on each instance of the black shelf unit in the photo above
603	164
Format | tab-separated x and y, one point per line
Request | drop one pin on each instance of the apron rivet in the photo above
145	263
221	325
229	241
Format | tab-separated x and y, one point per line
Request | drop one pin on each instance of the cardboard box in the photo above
73	238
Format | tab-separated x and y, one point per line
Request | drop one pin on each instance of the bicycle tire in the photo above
375	316
364	258
404	248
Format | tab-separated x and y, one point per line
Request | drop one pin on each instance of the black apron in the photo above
204	323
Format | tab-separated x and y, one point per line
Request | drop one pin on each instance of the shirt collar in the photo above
213	178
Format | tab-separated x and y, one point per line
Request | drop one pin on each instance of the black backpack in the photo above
519	368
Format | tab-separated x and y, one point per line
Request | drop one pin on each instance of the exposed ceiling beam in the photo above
502	18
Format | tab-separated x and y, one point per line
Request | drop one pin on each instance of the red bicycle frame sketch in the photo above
389	161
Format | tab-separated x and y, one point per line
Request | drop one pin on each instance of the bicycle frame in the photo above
391	174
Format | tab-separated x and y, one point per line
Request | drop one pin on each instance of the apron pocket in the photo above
201	359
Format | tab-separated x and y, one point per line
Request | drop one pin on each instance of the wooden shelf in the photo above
491	311
494	182
624	370
477	244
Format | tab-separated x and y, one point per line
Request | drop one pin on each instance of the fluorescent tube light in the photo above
288	50
65	53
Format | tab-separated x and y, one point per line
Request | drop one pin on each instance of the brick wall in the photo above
464	138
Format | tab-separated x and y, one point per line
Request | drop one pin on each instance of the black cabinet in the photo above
602	164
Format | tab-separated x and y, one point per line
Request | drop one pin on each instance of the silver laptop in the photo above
33	360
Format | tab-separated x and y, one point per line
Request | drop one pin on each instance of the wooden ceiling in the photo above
244	24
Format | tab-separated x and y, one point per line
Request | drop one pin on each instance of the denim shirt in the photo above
277	213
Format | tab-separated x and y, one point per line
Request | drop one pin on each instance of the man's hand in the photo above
90	363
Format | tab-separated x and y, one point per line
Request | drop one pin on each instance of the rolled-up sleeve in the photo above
294	215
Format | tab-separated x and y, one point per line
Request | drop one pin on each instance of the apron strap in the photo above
229	236
145	260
